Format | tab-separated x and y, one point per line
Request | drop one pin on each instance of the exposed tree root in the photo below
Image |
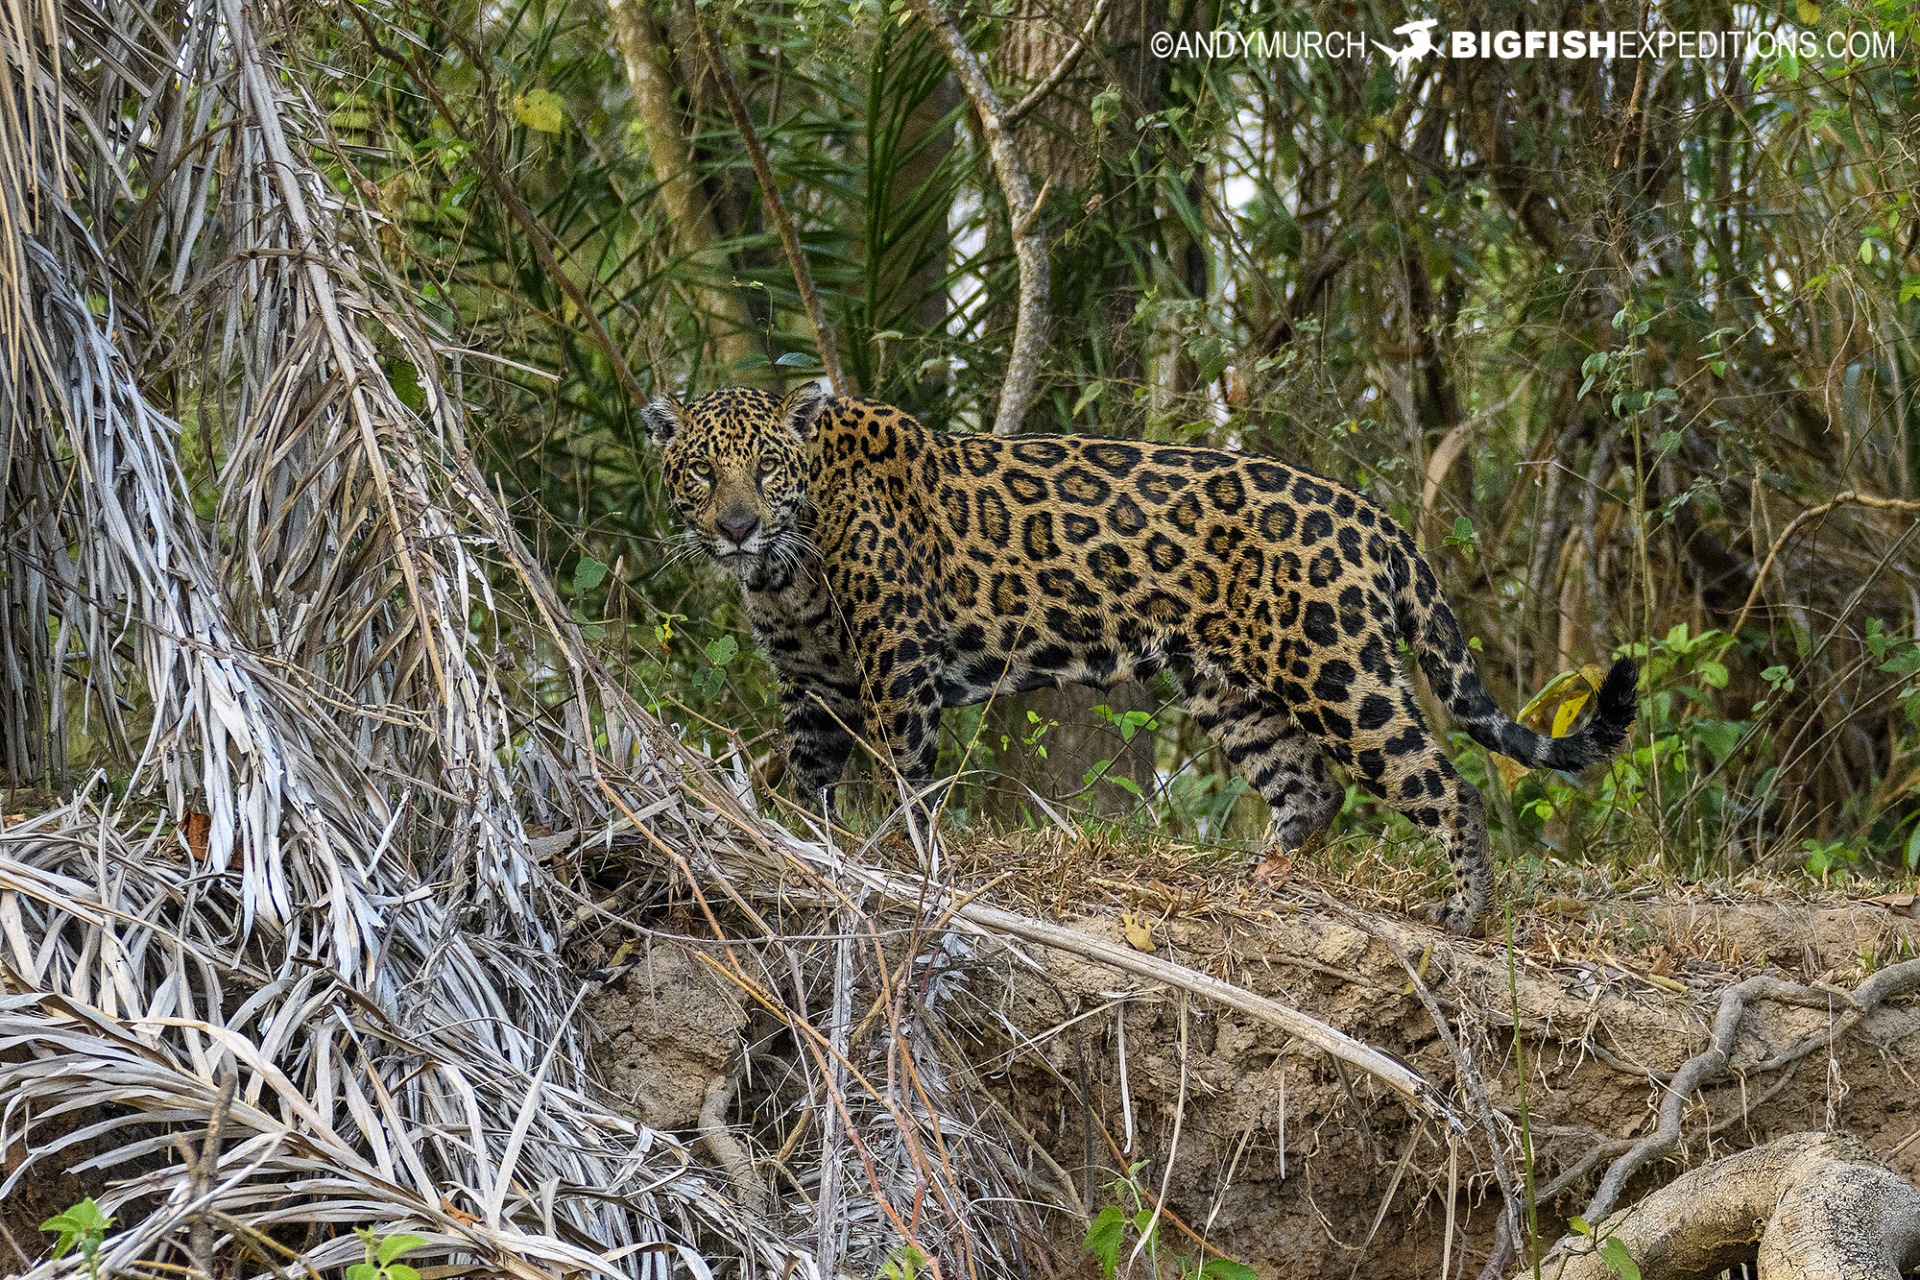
1812	1206
1704	1066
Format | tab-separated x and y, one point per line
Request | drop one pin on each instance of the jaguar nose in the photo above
739	527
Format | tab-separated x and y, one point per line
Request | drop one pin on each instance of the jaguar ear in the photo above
663	418
803	407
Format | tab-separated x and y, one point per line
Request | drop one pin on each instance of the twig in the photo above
1173	1141
201	1170
1018	390
1464	1071
1386	1201
833	1141
782	216
1843	498
1710	1062
1018	111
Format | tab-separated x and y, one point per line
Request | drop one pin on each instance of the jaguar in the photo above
890	571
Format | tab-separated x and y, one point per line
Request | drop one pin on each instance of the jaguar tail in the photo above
1429	625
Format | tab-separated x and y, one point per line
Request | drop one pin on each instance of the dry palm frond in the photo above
340	905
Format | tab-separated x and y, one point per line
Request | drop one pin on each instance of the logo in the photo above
1758	45
1419	43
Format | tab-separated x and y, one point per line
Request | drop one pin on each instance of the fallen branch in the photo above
994	921
832	867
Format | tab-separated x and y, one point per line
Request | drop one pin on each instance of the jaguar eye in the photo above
703	469
768	466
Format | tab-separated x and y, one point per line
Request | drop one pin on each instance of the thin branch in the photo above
1018	111
1020	388
782	216
1844	498
671	154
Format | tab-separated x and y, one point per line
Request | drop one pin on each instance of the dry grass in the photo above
1564	910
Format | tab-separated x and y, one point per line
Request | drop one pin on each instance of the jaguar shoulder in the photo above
891	571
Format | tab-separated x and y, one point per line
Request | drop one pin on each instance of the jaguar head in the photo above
735	462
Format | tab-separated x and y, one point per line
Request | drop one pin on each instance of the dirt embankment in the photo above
1280	1159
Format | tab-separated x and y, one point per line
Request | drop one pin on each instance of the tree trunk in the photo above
694	234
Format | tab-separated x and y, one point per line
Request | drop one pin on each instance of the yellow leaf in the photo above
1568	712
1138	928
1809	11
1553	710
540	109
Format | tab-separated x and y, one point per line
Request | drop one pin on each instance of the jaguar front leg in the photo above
818	725
905	731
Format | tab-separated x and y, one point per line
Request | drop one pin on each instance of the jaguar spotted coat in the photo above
891	571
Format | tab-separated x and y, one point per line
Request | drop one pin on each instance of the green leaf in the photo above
363	1271
1866	246
587	575
401	1271
398	1247
1910	288
1614	1253
797	360
76	1224
541	110
1105	1235
1913	850
722	651
1088	396
1712	672
1719	737
757	360
1227	1269
1719	368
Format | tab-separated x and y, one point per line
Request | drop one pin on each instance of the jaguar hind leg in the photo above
1277	758
1377	732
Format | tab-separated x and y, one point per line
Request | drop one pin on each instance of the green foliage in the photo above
904	1263
1256	253
84	1225
1613	1252
383	1256
1129	1226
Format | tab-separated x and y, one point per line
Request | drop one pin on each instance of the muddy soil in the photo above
1279	1159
